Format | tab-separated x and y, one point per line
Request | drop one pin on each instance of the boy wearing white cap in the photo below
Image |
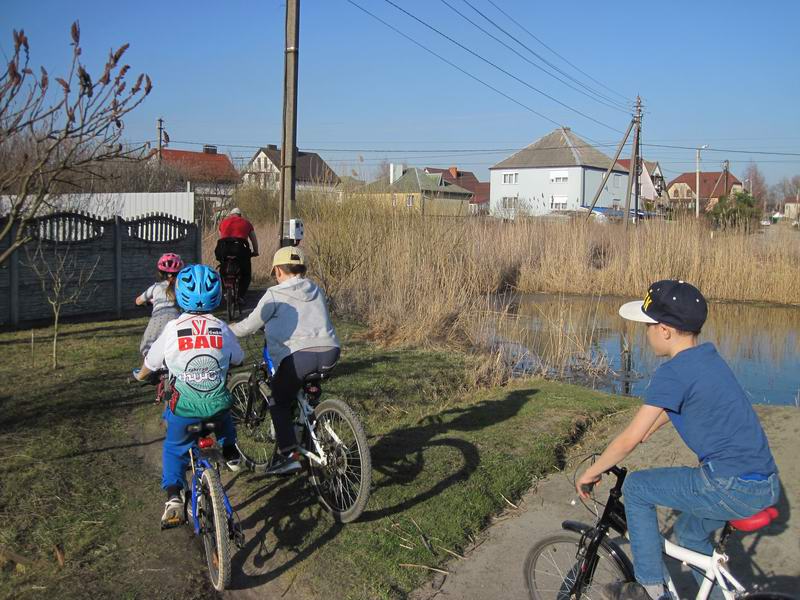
695	390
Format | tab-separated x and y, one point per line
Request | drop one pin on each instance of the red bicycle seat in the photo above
757	521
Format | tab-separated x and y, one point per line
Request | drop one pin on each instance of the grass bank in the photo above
80	505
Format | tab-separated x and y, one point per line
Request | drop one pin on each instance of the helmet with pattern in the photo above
198	289
170	263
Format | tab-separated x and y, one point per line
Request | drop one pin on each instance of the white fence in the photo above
175	204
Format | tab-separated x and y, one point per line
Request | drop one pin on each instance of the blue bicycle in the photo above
208	507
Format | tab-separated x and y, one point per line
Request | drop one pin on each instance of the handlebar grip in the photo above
586	488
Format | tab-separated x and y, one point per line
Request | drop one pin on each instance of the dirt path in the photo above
494	566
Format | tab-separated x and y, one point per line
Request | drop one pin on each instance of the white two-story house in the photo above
558	172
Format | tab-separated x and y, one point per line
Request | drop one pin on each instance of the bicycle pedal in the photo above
171	524
237	535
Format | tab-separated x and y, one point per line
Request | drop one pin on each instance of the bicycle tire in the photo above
214	529
344	496
255	433
559	551
229	303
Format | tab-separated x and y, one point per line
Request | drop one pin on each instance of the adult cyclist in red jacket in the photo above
237	238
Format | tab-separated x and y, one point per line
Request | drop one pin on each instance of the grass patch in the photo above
75	483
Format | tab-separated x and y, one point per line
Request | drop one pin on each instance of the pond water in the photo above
583	339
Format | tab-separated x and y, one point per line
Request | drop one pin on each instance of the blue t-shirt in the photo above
711	412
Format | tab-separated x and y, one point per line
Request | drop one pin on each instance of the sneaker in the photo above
173	512
234	465
285	464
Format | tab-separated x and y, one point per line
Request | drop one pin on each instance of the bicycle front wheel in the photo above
255	434
214	529
554	563
343	483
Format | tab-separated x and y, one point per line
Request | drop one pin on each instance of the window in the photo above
410	200
617	179
510	177
509	202
559	176
558	203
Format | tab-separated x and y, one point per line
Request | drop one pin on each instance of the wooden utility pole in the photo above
160	125
289	143
632	171
609	169
725	166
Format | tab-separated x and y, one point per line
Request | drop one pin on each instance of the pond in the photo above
583	339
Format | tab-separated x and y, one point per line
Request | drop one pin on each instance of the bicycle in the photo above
582	559
330	437
230	273
208	506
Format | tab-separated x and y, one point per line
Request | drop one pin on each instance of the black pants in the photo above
288	380
238	248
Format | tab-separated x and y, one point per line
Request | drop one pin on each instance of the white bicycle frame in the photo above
713	566
305	412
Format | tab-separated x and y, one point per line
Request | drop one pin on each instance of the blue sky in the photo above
719	73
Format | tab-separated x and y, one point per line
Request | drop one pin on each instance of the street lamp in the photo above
697	182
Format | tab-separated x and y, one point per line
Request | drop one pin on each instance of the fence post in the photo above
198	240
13	279
118	265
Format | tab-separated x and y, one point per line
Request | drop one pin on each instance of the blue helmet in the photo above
198	289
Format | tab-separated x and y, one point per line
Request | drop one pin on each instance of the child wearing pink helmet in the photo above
162	296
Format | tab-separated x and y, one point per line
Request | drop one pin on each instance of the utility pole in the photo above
725	165
160	125
610	168
697	182
638	166
289	143
637	123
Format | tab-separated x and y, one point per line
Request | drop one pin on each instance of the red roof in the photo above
465	179
712	183
201	166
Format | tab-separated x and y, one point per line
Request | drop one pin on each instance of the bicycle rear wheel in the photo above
229	303
255	434
214	529
343	484
554	563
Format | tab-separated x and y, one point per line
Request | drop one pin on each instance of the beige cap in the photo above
236	211
289	255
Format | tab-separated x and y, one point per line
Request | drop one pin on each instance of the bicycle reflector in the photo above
205	442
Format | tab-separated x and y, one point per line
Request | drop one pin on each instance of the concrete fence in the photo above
120	254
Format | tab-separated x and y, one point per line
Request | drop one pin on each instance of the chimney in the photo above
209	149
395	172
272	147
453	172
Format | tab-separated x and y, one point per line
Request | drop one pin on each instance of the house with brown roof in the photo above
713	185
311	172
479	204
210	175
558	172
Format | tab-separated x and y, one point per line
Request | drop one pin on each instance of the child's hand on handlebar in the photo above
585	483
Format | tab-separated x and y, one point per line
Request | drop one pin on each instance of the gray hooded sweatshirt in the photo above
294	315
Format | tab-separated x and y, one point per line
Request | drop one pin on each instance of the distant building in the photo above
414	189
311	172
558	172
682	190
210	175
653	186
479	204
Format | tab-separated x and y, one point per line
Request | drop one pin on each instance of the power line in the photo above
496	66
516	22
529	61
617	105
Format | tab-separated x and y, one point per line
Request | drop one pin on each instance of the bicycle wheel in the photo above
343	484
255	434
229	304
767	596
214	529
553	564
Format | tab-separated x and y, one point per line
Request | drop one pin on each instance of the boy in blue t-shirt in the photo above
696	390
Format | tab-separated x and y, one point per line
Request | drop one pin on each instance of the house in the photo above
311	172
558	172
479	204
653	187
414	189
713	185
210	175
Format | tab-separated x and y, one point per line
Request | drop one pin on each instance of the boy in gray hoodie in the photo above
300	340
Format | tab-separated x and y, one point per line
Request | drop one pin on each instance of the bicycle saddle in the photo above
757	521
316	376
205	426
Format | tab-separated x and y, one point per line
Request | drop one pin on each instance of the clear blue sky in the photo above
718	73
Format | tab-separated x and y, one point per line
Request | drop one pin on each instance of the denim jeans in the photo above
177	442
705	502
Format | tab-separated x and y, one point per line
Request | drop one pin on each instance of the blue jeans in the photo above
175	452
705	502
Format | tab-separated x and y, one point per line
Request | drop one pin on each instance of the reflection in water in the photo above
584	339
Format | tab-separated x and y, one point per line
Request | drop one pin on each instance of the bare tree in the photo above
755	183
63	277
54	139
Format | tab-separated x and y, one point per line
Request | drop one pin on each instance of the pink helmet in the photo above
170	263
